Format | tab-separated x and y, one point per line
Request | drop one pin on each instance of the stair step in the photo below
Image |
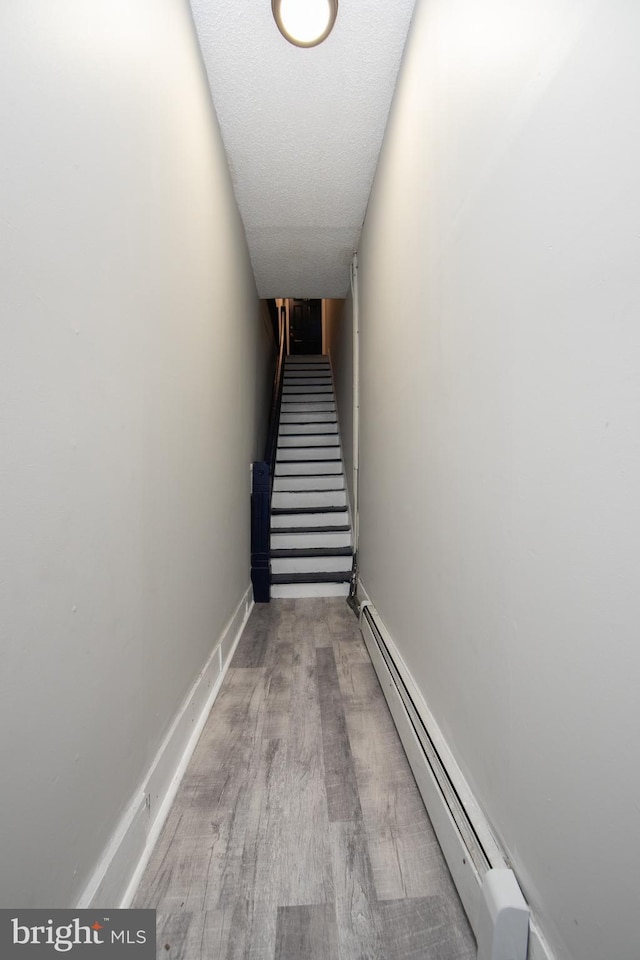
332	563
305	468
309	406
316	454
295	591
293	359
313	511
310	482
332	577
308	429
313	389
320	379
313	552
304	417
319	559
308	440
307	519
294	397
308	370
301	538
303	373
304	446
303	528
289	501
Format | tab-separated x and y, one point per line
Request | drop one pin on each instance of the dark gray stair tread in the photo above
327	433
312	490
312	552
290	463
281	476
304	446
336	577
279	511
330	528
309	446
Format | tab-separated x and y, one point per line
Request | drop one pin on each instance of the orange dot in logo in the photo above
96	926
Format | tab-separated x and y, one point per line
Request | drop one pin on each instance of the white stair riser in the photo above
281	591
285	469
311	564
311	499
307	483
299	380
313	440
307	387
304	373
305	359
308	520
308	396
309	406
301	372
307	541
311	417
308	453
293	388
300	429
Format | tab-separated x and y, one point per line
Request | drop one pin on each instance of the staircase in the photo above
311	553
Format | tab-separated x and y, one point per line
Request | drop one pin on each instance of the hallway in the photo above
458	183
298	832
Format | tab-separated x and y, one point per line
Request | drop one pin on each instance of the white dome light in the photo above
305	23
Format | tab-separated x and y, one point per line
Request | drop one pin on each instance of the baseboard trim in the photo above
117	875
466	874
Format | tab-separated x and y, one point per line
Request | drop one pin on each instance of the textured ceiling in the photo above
302	129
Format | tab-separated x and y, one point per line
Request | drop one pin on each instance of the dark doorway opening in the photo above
305	326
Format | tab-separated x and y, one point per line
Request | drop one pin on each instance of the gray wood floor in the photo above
298	832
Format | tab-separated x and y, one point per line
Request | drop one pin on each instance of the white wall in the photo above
130	369
340	349
500	463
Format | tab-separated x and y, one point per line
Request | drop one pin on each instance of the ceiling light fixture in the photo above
305	23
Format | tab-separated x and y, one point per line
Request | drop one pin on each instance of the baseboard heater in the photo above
488	889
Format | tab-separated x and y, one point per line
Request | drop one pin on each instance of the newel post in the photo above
260	532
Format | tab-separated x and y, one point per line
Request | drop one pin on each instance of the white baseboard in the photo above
465	874
118	872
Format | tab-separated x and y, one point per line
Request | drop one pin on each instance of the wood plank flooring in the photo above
298	832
